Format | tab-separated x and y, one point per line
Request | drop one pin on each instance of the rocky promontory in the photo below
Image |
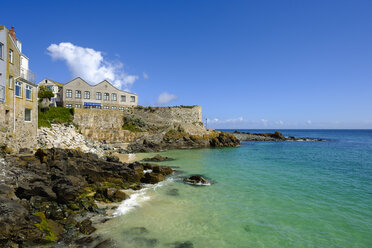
276	136
52	195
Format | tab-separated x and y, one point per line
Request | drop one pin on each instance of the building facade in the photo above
79	94
18	94
56	88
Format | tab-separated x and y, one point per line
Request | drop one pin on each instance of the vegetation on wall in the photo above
44	93
57	115
134	124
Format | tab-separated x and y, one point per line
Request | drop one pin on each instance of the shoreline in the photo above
59	195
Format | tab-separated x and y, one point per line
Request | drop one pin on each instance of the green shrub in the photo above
44	93
55	115
134	124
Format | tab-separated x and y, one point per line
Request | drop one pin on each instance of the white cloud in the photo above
145	75
264	122
165	98
90	65
309	122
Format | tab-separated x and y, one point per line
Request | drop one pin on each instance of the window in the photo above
132	98
28	92
114	107
105	107
1	50
49	87
11	82
68	93
18	89
98	96
11	56
77	105
106	96
68	105
78	94
121	108
114	97
123	98
27	114
86	94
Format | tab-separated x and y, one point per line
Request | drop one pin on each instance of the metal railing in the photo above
2	93
28	75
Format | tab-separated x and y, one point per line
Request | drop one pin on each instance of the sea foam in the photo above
136	199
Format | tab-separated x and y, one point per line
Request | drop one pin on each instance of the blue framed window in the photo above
18	89
28	92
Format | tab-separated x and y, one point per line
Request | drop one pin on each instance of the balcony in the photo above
2	93
28	75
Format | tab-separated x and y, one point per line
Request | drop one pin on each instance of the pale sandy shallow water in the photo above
272	194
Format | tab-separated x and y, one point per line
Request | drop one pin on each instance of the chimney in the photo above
13	33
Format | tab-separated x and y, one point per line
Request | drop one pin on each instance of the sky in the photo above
249	64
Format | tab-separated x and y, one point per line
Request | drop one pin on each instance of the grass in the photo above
57	115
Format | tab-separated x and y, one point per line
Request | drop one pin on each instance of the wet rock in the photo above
158	158
197	180
108	243
86	227
152	178
85	240
162	170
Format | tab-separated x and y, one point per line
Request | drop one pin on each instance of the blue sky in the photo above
249	64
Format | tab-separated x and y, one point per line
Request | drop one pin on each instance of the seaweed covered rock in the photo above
197	180
44	196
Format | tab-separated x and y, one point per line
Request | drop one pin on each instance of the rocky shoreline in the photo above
277	136
53	195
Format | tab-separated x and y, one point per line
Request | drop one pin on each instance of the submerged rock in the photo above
197	180
158	158
186	244
136	231
173	192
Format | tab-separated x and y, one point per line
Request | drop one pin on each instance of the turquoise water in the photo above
266	194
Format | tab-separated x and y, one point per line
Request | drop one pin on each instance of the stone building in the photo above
79	94
56	88
18	94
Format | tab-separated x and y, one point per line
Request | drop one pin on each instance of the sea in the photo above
265	195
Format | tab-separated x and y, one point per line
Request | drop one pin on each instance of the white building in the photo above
56	88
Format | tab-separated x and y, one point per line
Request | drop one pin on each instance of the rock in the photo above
158	158
162	170
86	227
197	180
120	195
152	178
7	192
108	243
278	135
14	224
112	159
85	240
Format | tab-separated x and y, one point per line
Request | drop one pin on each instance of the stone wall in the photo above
106	125
168	115
103	125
